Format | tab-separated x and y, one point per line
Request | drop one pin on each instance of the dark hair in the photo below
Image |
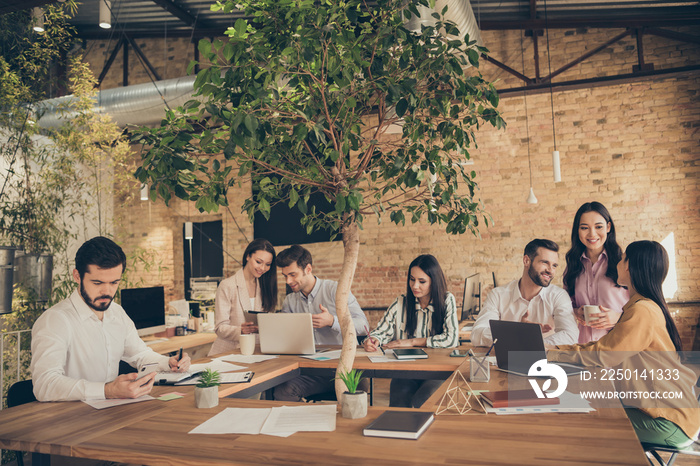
648	266
99	251
294	254
532	247
268	282
438	293
574	266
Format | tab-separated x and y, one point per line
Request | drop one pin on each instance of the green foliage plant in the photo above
304	98
351	379
209	378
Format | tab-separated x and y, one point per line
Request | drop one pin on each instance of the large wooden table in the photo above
155	433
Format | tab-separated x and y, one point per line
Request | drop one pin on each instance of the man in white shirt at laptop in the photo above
531	299
78	343
317	297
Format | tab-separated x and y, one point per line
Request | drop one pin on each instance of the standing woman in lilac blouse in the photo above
590	277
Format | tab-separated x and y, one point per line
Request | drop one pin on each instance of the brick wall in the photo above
633	147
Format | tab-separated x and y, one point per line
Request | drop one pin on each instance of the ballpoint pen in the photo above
179	358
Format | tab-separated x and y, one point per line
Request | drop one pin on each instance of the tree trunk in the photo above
351	251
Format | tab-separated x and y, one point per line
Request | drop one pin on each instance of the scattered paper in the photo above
280	421
314	418
102	404
234	421
324	356
252	359
216	365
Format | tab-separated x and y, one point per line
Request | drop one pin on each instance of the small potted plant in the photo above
353	403
206	392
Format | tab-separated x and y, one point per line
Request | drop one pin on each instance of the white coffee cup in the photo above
590	313
247	342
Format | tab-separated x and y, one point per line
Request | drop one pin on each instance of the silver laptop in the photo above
519	345
286	333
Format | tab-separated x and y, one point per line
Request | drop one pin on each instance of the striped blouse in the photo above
393	324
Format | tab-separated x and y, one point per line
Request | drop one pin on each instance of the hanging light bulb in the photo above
38	16
556	168
188	230
105	14
144	192
531	199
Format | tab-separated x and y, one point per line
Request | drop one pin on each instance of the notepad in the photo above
172	378
227	377
399	424
515	398
410	353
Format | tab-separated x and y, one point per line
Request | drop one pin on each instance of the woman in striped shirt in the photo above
425	316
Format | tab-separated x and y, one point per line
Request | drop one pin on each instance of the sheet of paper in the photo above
252	359
234	421
312	418
102	404
216	365
324	356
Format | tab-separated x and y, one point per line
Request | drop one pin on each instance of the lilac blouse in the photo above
593	287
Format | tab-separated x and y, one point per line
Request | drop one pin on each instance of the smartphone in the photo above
458	353
147	369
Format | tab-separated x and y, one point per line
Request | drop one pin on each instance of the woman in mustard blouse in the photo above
644	344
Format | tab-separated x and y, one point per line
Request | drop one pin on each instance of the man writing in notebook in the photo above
78	343
315	296
531	299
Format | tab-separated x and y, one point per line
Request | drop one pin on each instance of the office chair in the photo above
652	450
20	393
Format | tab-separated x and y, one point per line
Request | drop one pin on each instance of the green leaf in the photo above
401	107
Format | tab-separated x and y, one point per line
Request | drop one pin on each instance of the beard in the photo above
91	302
537	278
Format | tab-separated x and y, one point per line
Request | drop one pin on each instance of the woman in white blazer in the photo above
253	288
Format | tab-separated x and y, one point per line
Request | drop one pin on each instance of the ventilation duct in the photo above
142	104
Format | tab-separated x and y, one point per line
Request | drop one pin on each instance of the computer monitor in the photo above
146	307
471	304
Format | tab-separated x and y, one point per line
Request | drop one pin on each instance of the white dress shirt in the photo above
74	353
324	293
552	306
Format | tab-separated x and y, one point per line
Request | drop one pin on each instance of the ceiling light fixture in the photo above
531	199
556	165
105	14
38	17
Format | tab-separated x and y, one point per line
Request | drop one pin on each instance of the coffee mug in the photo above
247	342
591	313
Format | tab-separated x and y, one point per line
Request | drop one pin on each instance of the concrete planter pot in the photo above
353	405
206	397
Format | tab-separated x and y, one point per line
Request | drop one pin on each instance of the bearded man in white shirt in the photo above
78	343
531	299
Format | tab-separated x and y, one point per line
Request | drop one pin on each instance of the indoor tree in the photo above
337	98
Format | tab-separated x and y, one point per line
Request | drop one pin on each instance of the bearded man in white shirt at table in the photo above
531	299
78	343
